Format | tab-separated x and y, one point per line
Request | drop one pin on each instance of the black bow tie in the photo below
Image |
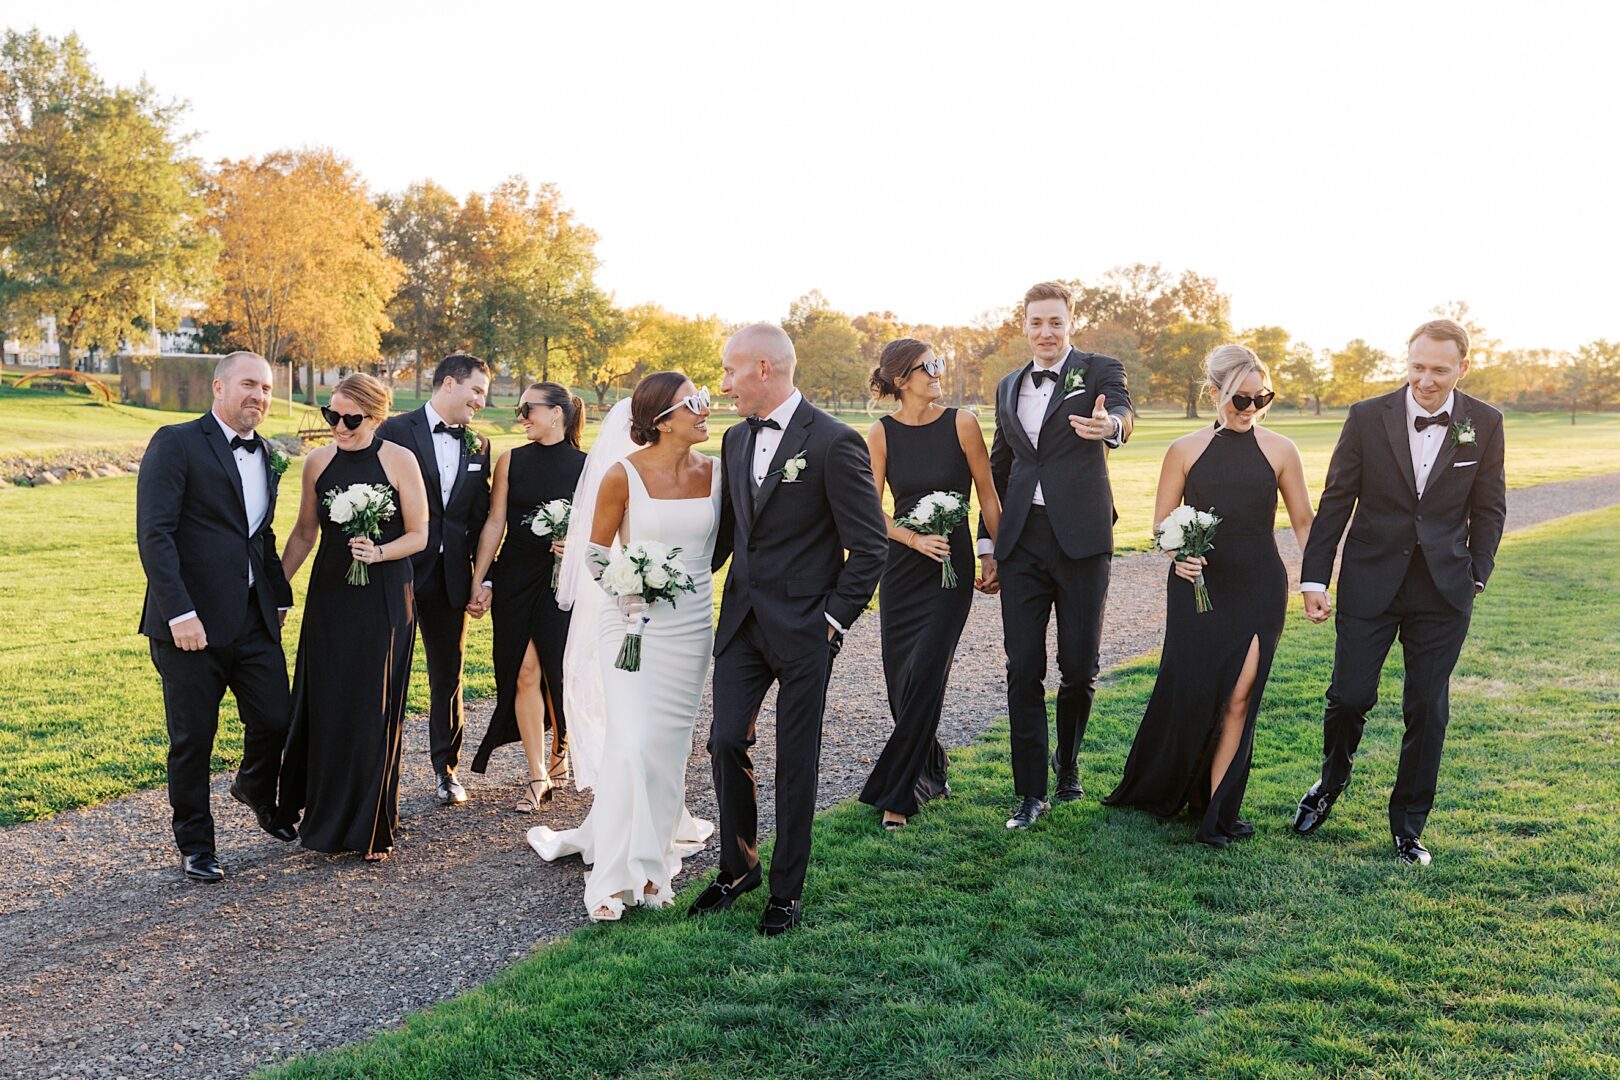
1039	374
1421	422
458	432
756	423
250	445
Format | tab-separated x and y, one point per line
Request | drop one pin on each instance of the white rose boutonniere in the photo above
1074	381
1463	434
791	468
278	462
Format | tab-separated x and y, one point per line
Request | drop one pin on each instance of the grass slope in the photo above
1106	943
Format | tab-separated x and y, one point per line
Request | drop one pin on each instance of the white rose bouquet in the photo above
647	570
360	510
1190	534
551	519
938	514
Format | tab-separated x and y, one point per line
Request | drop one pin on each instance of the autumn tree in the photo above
419	230
100	208
659	340
1177	362
828	348
1303	376
1358	369
1592	377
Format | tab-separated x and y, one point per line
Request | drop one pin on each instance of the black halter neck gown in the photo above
1169	764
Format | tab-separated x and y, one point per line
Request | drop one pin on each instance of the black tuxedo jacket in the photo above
787	543
1458	521
191	531
1072	472
455	523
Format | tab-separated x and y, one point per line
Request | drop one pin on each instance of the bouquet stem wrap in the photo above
630	652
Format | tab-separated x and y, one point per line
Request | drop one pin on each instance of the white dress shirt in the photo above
255	473
1424	446
446	451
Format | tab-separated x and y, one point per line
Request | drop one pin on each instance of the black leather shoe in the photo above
780	916
265	815
1409	849
1068	786
450	790
203	867
1028	810
722	894
1314	807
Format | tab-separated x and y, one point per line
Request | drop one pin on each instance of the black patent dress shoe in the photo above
203	867
1314	807
265	815
780	916
1068	787
1409	849
722	894
450	790
1028	810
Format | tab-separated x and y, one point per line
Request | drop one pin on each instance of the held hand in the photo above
1188	569
1096	427
631	608
189	636
937	548
987	582
1317	606
482	597
558	547
364	549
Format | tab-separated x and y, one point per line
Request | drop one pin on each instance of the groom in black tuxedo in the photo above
1054	417
797	493
1422	470
455	467
216	597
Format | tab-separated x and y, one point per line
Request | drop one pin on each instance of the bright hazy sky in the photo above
1339	171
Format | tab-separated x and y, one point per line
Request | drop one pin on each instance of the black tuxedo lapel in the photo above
1395	427
428	458
1448	449
462	457
740	476
1055	402
1009	408
793	440
215	436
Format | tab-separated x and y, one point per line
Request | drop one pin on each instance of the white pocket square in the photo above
1074	393
1463	464
475	466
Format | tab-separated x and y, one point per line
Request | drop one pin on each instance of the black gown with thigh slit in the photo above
354	667
921	622
525	607
1169	763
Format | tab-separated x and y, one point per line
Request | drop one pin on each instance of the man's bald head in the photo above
758	362
222	370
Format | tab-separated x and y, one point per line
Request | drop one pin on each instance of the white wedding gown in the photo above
638	828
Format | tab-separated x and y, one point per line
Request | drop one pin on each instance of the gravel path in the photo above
118	968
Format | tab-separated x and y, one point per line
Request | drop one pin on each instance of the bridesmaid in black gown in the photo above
530	630
1194	745
920	448
354	652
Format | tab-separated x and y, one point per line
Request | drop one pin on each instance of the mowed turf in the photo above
1107	943
84	716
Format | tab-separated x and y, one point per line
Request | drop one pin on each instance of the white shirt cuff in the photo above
1312	586
283	609
489	584
987	546
192	614
836	625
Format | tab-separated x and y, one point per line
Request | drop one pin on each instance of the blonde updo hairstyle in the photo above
1225	368
368	392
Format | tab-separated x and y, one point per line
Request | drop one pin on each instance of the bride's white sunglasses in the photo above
697	402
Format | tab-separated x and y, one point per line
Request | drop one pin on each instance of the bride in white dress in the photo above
630	733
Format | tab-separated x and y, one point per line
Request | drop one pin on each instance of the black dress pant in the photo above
743	673
1036	579
1432	634
254	668
444	641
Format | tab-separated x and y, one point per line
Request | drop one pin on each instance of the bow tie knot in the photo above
1040	375
458	432
1421	422
250	445
756	423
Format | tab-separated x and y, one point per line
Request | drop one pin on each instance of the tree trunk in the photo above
1318	404
309	381
64	352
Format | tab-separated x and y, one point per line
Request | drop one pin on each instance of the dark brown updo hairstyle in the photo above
652	395
899	357
559	396
368	392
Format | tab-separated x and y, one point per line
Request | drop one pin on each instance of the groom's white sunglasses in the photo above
696	402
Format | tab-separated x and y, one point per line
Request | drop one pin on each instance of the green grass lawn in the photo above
1106	943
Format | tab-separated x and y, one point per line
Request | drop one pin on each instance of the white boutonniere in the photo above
791	468
470	438
278	462
1074	381
1463	434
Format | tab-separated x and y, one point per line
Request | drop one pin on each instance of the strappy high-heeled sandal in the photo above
532	799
